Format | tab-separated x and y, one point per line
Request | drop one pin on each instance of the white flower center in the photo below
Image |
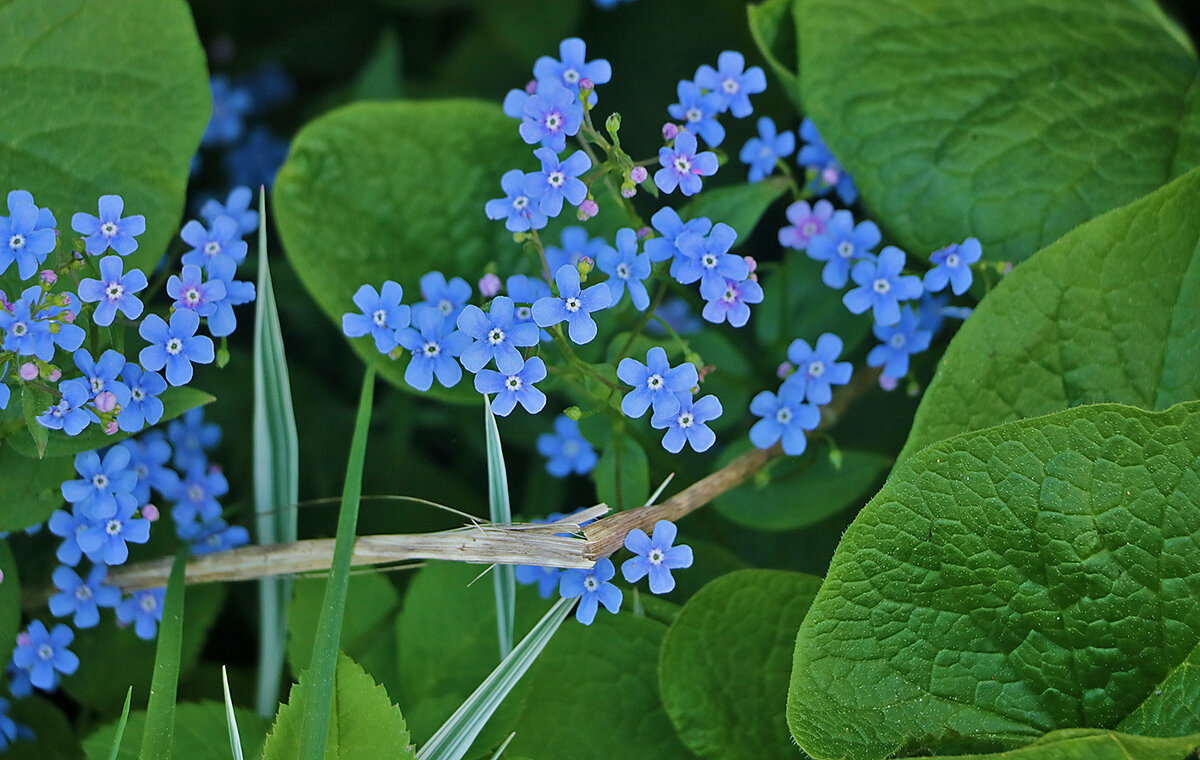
783	416
557	178
573	304
730	85
685	420
521	202
623	271
881	286
683	165
709	261
897	340
570	76
553	121
174	346
731	294
444	306
513	383
570	449
380	318
83	593
694	115
195	493
590	583
19	329
137	394
191	296
816	369
108	230
115	291
496	336
654	382
431	349
212	248
45	652
97	384
16	241
113	527
952	260
656	556
148	603
809	229
524	313
845	249
100	481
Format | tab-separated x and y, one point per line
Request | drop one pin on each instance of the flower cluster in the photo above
249	153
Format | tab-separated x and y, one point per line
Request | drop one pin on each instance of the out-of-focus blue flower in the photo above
148	456
762	152
230	104
144	609
381	316
734	303
626	269
212	536
806	223
655	383
841	243
101	481
573	305
434	344
497	335
817	369
882	287
256	160
897	343
557	181
525	291
5	391
952	266
574	244
513	388
546	578
552	114
707	259
27	235
683	167
688	424
676	313
656	557
566	450
816	157
109	229
81	598
733	82
269	85
191	437
666	220
197	494
447	297
698	111
10	730
784	416
114	291
221	240
175	345
236	206
571	67
593	588
516	208
44	654
69	414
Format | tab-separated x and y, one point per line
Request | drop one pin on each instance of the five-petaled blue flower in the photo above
223	239
110	229
515	387
687	425
656	557
70	414
102	374
655	383
733	82
784	416
593	587
525	290
236	206
734	303
434	343
898	342
44	654
575	243
816	157
516	208
683	167
190	291
447	297
573	305
81	598
144	609
557	181
192	436
626	269
100	482
114	291
881	286
571	67
105	540
546	578
806	223
144	406
841	243
668	224
26	334
27	235
762	152
552	114
698	111
230	104
497	335
382	315
953	266
707	259
198	492
817	369
566	450
147	457
175	345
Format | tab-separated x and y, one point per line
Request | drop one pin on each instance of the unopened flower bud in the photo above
707	368
150	512
489	285
28	371
585	265
643	233
830	176
214	468
638	174
587	210
586	84
628	189
531	86
612	124
78	247
573	412
669	131
23	639
110	428
106	401
1	576
750	262
887	383
835	458
48	276
783	370
1006	267
54	375
66	317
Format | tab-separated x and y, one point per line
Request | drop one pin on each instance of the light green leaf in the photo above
1174	702
773	32
33	403
32	488
622	474
199	728
739	629
503	578
739	206
276	472
363	723
344	222
1084	744
235	735
794	492
1109	313
1005	583
119	112
119	733
158	734
595	691
1009	120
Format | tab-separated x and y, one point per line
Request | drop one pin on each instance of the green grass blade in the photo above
235	738
500	750
323	664
276	473
454	738
158	734
120	734
504	576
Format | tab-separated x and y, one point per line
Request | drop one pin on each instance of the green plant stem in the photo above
579	364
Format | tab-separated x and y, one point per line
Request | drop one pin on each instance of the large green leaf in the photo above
1084	744
622	474
379	191
32	490
363	722
1109	313
1174	702
1010	120
739	629
104	99
594	694
1036	575
199	728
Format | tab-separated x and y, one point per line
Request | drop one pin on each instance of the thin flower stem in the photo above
658	297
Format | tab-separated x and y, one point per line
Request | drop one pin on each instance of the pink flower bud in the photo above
110	428
643	233
638	174
887	383
489	285
586	84
28	371
587	210
106	401
669	131
1	576
65	299
784	370
585	265
628	190
48	276
23	639
1006	268
750	262
150	512
830	176
214	469
66	317
531	86
54	375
